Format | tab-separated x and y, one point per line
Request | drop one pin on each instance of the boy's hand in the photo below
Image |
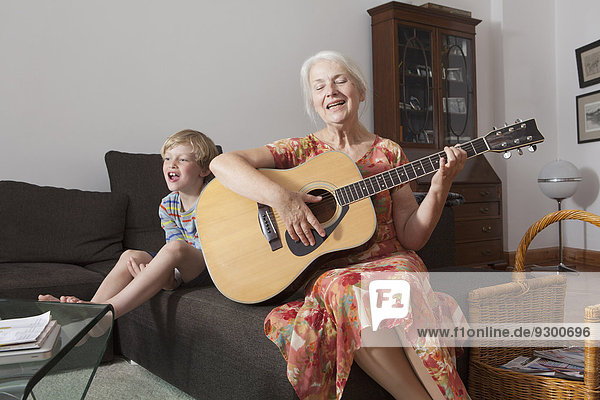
135	268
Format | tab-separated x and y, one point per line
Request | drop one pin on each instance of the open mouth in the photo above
335	104
173	176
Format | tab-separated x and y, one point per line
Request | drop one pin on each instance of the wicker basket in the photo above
543	301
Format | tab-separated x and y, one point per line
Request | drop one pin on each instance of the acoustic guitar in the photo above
248	252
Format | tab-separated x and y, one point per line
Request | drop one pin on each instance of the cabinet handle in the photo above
484	210
486	229
484	193
486	252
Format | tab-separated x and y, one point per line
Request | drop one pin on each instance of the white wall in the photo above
529	90
577	26
539	38
80	78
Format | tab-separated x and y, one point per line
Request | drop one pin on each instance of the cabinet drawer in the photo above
480	229
474	194
477	210
489	251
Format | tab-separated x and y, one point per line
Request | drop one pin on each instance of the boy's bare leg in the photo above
115	281
119	277
158	274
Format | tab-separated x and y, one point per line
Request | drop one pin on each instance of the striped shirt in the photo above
178	224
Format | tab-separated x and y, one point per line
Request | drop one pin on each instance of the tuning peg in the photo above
520	152
518	121
494	128
532	148
505	124
507	155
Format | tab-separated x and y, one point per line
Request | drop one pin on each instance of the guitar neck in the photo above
402	174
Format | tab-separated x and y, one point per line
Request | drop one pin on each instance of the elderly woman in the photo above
320	337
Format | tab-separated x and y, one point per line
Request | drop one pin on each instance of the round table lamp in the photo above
558	180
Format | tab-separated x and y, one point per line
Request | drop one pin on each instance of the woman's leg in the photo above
390	367
158	274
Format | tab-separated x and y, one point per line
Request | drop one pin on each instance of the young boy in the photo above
139	275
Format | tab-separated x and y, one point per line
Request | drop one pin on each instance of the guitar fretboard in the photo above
402	174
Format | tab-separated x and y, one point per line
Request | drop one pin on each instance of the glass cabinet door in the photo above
416	89
458	116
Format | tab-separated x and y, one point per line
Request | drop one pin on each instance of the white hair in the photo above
353	69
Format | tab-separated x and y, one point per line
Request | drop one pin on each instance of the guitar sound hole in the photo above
325	209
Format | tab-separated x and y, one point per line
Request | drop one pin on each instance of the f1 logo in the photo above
389	300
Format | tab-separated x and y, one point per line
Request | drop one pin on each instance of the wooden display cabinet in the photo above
478	221
424	98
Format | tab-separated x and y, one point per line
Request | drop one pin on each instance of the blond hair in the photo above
203	148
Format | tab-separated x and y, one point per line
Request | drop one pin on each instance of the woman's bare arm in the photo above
238	172
415	223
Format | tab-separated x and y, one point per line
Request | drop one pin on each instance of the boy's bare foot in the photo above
102	326
71	299
99	329
47	297
62	299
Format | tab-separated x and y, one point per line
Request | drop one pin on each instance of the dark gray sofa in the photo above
63	241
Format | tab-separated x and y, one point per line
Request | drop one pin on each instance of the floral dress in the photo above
318	336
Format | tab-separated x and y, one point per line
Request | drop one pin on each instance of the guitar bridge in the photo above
268	227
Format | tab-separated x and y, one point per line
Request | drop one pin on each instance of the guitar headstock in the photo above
510	137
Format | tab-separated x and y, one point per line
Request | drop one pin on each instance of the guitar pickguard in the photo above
299	249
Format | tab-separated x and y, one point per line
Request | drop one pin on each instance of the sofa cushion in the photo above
48	224
139	176
28	280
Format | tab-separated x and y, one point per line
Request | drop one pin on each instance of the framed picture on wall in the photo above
588	64
588	117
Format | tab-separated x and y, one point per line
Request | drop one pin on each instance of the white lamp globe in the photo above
559	179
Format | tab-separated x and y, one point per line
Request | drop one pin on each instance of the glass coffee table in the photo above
68	371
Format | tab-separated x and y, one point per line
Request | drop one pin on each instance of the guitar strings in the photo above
328	201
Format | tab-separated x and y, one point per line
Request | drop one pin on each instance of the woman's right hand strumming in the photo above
238	171
298	218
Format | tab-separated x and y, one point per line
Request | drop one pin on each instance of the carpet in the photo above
116	380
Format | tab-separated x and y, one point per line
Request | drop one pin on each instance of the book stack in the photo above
28	339
567	363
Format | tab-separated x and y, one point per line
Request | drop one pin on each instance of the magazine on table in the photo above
22	330
28	339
